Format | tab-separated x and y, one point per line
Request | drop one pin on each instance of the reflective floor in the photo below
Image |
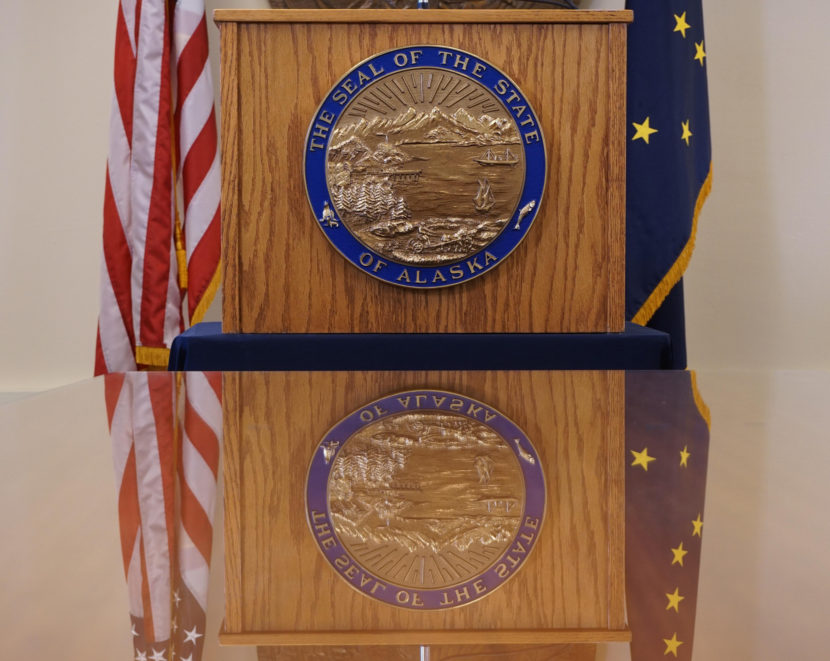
765	532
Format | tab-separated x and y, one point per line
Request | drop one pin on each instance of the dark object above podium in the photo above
205	347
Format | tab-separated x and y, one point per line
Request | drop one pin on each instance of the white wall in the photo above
756	289
56	63
55	86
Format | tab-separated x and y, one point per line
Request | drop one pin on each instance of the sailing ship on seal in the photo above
495	158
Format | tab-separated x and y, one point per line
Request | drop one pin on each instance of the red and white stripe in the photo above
198	151
166	442
140	293
143	443
198	472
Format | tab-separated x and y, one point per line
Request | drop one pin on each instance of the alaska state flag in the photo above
667	454
668	148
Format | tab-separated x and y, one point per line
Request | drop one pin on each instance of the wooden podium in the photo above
280	591
280	273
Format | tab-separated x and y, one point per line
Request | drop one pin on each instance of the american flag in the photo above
162	133
166	432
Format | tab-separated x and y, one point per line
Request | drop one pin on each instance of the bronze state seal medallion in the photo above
425	166
425	499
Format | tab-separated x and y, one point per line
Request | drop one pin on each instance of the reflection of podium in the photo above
280	273
281	591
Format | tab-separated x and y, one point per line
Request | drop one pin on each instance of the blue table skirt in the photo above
205	347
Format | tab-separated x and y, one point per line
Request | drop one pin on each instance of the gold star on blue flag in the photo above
669	171
664	511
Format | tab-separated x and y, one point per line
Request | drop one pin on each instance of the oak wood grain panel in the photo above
289	594
292	280
616	505
339	653
616	171
583	652
232	481
432	637
419	16
229	92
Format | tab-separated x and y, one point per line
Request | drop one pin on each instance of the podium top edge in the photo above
421	16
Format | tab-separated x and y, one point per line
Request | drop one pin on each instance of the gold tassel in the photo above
152	358
181	254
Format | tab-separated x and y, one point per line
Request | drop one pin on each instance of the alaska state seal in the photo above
425	499
425	166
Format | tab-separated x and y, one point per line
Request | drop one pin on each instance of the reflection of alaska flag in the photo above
667	453
669	151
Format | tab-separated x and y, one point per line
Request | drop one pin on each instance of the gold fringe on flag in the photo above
150	358
655	300
207	297
181	254
702	407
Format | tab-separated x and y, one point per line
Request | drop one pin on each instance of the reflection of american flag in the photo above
166	436
162	125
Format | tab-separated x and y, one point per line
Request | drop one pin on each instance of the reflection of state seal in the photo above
425	166
425	499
